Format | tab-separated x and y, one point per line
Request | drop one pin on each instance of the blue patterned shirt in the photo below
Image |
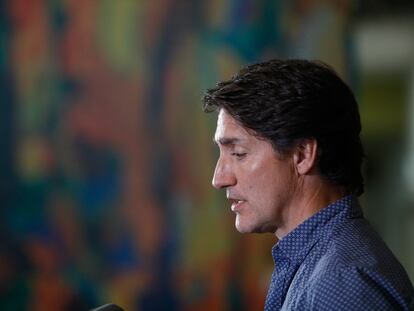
335	261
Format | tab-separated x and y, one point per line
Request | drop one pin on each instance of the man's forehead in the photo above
226	122
229	131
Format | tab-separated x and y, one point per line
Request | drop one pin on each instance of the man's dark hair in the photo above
286	101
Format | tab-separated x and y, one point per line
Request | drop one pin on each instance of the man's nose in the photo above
223	176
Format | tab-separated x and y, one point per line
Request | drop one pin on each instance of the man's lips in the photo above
236	205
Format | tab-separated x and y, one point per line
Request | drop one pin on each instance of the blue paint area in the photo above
7	117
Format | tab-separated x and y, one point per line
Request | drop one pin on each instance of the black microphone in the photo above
108	307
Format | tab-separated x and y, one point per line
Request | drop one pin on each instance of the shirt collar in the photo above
296	244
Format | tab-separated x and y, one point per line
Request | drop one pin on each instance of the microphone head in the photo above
108	307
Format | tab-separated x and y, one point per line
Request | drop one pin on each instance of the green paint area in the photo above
384	106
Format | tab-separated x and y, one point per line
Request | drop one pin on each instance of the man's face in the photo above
259	182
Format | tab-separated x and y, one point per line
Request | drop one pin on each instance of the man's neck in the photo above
313	195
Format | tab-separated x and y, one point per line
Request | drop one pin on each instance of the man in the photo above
290	162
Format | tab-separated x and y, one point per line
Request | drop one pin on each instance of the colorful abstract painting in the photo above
107	157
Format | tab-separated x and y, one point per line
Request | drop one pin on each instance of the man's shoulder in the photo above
355	246
353	262
355	243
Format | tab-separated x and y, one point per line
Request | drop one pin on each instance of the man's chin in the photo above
251	228
245	228
239	226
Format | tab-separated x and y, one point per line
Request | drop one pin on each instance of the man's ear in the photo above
305	155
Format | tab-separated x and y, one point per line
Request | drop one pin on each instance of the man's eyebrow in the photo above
225	141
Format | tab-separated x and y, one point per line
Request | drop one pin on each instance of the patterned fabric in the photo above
336	261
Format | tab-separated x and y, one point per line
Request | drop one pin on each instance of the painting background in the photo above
107	157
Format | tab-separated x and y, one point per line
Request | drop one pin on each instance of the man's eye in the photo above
238	155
